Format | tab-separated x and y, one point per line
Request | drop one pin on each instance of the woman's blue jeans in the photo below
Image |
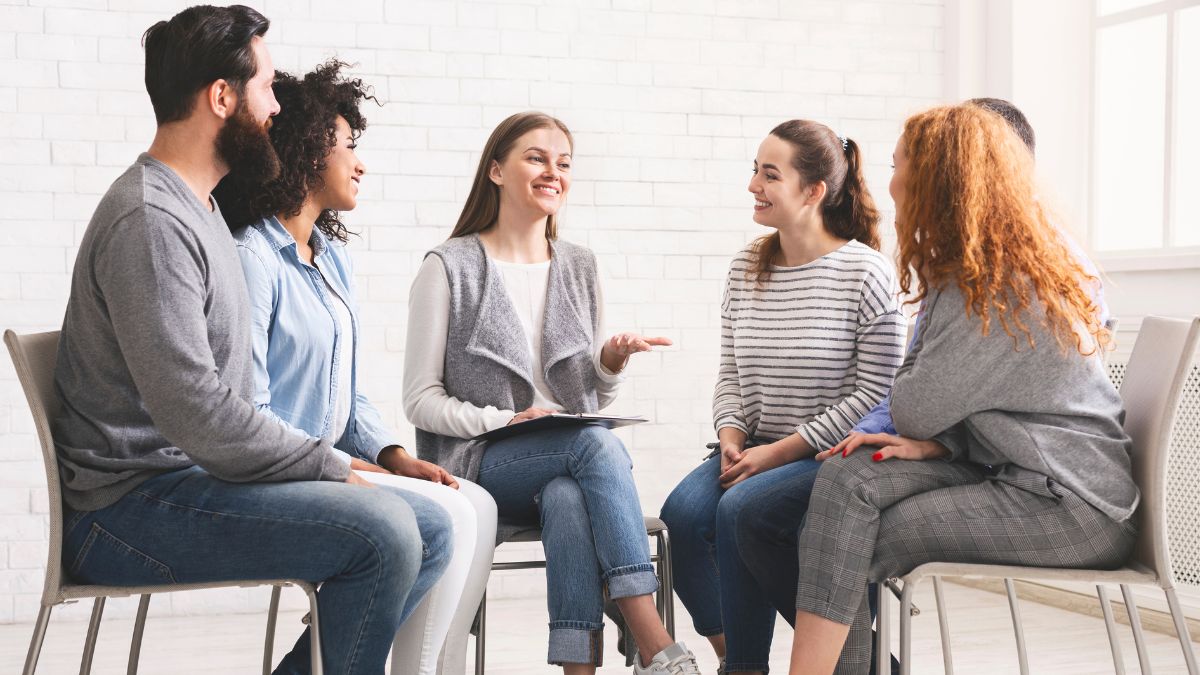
711	575
743	543
578	484
377	551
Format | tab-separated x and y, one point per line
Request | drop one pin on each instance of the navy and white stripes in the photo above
812	349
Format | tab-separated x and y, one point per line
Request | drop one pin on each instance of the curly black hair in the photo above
302	133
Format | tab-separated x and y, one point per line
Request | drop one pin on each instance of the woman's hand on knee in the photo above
890	447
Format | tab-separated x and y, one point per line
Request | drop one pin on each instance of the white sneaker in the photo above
674	660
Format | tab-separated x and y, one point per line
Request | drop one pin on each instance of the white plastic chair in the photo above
1151	390
34	357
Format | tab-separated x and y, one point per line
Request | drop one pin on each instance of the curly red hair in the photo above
971	216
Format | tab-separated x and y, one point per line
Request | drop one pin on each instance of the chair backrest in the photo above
1151	389
34	356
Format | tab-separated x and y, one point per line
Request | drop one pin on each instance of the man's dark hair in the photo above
1011	114
197	47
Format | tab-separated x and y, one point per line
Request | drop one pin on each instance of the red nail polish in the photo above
877	456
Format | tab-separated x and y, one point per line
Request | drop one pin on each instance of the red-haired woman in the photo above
1010	446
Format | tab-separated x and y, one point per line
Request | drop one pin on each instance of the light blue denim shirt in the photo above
295	331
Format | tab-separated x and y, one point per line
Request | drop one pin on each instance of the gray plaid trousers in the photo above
868	521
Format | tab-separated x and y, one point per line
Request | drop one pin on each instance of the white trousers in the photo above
444	617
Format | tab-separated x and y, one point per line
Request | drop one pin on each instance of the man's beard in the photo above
245	147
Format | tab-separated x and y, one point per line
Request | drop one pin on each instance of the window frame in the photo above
1169	255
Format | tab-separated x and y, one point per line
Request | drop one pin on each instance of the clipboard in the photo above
558	421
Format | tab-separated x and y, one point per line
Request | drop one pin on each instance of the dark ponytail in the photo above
848	210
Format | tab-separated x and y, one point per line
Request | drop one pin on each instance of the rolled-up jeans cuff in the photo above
576	642
631	580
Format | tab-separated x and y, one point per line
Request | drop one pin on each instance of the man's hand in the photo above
355	479
395	460
890	447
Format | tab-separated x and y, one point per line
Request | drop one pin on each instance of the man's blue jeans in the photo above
376	550
578	483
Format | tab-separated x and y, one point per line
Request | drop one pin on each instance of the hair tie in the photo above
845	143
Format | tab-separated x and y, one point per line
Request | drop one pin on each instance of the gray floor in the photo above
1060	642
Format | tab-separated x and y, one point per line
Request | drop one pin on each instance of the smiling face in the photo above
535	176
343	171
779	191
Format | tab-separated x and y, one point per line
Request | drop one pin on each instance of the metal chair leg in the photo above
272	617
668	590
1111	627
660	603
89	645
1135	623
905	631
479	636
1181	630
139	627
1015	610
35	643
314	635
883	640
943	626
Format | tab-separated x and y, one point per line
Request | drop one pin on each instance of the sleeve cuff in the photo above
494	418
604	373
335	469
730	422
814	441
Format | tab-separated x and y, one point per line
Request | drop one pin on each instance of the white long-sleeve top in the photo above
426	403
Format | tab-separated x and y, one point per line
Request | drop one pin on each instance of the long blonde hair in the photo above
483	203
971	216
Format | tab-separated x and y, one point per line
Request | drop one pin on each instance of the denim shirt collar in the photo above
279	238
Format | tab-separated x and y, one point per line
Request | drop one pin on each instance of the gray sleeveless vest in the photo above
487	357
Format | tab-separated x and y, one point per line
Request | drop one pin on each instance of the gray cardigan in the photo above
1031	413
487	360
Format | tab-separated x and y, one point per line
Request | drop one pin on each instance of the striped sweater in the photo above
812	349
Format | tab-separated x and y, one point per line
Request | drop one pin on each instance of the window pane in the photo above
1186	147
1130	102
1112	6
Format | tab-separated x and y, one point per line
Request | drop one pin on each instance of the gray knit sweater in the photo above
154	364
1044	410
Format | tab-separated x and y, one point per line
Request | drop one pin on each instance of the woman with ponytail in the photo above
810	339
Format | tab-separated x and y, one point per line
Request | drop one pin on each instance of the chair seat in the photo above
86	591
531	533
1132	573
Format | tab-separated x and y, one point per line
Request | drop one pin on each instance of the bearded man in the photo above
169	473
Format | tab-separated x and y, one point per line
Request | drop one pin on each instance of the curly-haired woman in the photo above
306	336
1010	448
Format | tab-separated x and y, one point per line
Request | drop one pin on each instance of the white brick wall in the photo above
668	100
